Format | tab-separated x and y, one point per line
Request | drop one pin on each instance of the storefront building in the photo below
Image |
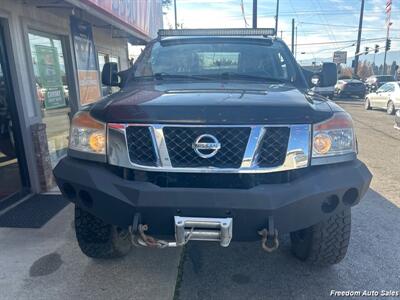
51	55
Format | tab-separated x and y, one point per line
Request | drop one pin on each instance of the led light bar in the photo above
217	32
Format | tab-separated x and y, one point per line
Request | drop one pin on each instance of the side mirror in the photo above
109	74
328	74
315	80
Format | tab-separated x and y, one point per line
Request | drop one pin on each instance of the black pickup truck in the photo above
214	136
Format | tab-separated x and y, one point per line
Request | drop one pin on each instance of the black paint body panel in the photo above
212	103
294	205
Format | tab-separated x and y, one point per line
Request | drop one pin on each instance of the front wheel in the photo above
98	239
325	243
390	108
367	104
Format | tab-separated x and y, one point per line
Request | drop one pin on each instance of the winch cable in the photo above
146	240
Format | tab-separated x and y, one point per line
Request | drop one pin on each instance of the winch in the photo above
186	229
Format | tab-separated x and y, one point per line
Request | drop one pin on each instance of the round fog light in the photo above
97	142
322	143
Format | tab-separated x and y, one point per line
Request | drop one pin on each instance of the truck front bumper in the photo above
323	191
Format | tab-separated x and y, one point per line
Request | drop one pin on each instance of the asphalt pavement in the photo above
46	263
244	271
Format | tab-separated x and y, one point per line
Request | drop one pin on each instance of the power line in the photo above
335	49
316	13
338	25
341	42
348	30
243	14
327	12
326	23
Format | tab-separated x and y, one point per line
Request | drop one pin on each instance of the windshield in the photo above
386	78
215	58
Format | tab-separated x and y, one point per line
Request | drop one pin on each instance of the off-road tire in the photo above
98	239
325	243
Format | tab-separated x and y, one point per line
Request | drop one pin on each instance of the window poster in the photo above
50	76
85	55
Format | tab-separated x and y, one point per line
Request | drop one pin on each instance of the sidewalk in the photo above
46	263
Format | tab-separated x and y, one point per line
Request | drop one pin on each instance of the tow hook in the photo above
140	238
269	237
269	242
186	229
148	241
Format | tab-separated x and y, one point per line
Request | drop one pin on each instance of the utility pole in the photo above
292	36
388	13
276	17
254	13
356	57
295	47
176	16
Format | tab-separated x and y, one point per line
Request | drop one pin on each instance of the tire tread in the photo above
97	239
327	241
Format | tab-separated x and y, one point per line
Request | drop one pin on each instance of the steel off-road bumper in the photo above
321	192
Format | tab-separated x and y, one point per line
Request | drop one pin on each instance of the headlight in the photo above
87	134
334	140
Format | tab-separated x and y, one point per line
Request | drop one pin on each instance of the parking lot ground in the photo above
46	263
245	271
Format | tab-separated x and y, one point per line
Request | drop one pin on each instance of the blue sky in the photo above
319	22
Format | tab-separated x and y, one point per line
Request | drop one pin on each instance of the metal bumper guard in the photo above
294	205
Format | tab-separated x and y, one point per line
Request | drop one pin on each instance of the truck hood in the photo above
212	103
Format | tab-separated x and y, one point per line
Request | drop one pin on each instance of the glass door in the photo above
48	59
13	178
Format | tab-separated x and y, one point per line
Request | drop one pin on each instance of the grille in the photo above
140	146
233	142
273	147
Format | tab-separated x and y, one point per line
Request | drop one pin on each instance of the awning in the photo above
140	20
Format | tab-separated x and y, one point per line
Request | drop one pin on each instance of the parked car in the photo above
374	82
350	88
397	120
386	97
214	136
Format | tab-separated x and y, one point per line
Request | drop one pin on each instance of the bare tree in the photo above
346	72
364	70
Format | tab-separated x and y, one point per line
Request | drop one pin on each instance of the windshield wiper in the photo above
225	75
232	75
161	76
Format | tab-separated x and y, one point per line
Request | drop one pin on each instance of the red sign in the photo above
142	16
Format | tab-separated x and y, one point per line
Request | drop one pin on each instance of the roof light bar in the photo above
217	32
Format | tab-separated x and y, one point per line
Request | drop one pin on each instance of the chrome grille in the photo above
241	149
233	141
273	148
140	145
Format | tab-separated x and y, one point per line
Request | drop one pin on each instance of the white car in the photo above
386	97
